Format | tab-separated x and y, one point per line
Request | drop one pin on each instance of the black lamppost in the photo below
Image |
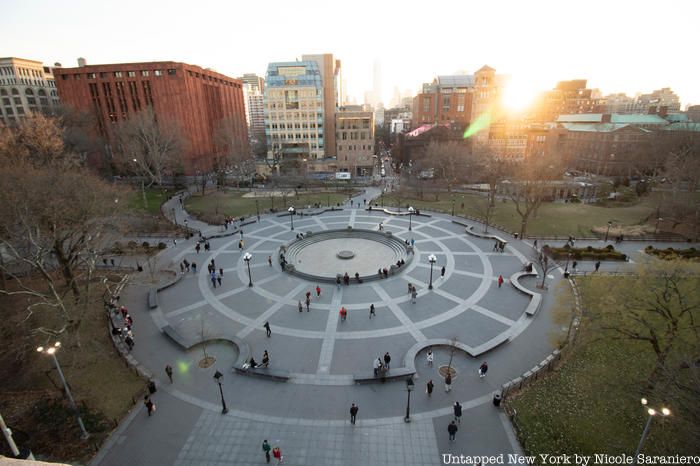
651	412
291	216
608	231
410	214
218	376
51	350
409	389
656	230
453	206
257	208
432	259
247	257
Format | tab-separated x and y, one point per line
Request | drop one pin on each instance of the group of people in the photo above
499	246
229	221
308	299
264	362
186	266
198	246
124	332
382	365
276	452
412	292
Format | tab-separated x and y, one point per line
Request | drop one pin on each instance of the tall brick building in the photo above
195	99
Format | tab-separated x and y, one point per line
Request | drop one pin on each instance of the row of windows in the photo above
295	136
40	92
295	105
369	147
27	72
345	124
28	82
295	116
291	126
119	74
352	135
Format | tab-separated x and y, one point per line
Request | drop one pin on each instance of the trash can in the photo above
151	387
497	400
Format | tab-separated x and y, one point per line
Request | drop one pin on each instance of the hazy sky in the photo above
618	45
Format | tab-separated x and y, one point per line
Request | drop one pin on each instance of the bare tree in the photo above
450	160
233	154
529	189
546	264
149	148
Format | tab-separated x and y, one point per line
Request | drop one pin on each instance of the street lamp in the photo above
409	389
143	188
51	350
247	257
566	268
291	216
453	206
432	259
652	412
608	231
218	376
411	210
656	230
257	208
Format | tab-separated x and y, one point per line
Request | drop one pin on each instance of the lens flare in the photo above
481	122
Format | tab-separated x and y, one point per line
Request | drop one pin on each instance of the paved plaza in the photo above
308	415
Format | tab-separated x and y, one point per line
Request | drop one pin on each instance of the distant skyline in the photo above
618	46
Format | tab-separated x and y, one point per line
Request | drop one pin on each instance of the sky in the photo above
618	45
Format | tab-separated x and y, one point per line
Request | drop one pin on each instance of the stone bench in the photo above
535	298
262	372
188	343
398	214
470	231
153	298
398	373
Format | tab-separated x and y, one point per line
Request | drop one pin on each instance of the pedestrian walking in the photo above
377	365
206	246
500	280
495	246
269	260
410	289
414	295
240	245
483	369
213	279
429	357
197	248
267	328
371	311
300	306
308	303
221	272
265	359
535	244
218	280
353	413
387	360
266	448
429	387
194	267
169	371
129	340
343	314
241	232
277	453
442	272
318	291
150	406
573	266
597	266
452	429
458	412
182	268
448	383
337	281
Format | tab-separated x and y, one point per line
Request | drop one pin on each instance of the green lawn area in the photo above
591	404
552	219
154	198
215	205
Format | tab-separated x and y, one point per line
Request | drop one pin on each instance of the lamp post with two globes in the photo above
651	412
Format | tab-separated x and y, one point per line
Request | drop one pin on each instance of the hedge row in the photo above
591	253
672	254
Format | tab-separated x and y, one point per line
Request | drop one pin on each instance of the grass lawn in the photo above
553	218
30	388
591	404
154	198
213	206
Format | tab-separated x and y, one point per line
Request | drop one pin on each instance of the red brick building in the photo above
195	99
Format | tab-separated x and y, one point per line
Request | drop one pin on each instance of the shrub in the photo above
162	245
145	245
132	244
610	247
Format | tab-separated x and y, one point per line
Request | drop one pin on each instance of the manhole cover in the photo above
443	370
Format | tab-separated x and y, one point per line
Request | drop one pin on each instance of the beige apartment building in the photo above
355	140
26	86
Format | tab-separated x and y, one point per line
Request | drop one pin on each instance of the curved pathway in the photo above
308	417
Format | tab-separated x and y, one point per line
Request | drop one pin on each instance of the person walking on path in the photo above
452	429
410	289
308	303
266	448
221	272
377	365
197	248
301	308
573	266
194	267
535	244
318	291
387	360
458	412
169	371
500	280
483	369
414	295
429	357
240	245
269	260
337	281
448	383
371	311
150	406
353	413
267	329
429	387
265	359
277	453
213	278
343	314
218	279
442	272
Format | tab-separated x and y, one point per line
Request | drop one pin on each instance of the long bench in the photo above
470	231
535	298
263	372
398	214
399	373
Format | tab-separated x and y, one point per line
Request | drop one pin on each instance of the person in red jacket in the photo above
343	313
500	280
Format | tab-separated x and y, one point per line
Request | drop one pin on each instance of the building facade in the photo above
253	87
568	97
195	100
448	99
331	81
294	111
355	139
26	86
659	101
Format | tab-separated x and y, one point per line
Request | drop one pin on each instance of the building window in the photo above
171	72
104	75
158	73
18	101
64	77
426	105
6	101
144	73
31	100
91	75
117	74
20	110
9	111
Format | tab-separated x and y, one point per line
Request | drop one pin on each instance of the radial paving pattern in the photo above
315	346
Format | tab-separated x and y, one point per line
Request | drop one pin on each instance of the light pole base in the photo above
224	411
85	436
407	419
430	287
250	284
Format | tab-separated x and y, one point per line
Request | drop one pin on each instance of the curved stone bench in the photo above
263	372
535	298
470	231
400	373
232	233
153	298
398	214
302	213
